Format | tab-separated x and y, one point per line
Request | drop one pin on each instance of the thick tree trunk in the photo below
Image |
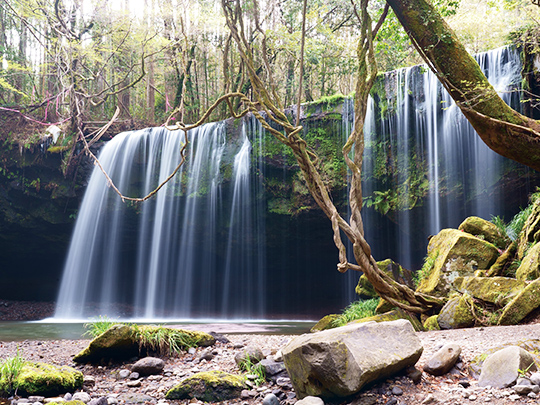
504	130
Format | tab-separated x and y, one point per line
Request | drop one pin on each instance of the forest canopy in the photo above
79	60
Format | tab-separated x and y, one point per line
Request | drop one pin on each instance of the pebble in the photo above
397	391
270	399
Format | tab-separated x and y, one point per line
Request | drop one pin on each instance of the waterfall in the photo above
163	258
233	234
429	156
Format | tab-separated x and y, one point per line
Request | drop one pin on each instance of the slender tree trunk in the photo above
504	130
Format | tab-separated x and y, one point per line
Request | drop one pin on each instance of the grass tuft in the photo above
254	368
99	325
10	369
356	310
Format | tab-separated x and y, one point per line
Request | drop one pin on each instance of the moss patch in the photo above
522	305
210	386
46	379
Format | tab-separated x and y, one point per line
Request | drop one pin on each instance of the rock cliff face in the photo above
38	205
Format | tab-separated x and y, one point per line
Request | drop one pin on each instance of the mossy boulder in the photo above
496	290
209	386
529	269
522	305
457	313
453	254
432	323
121	342
45	380
393	316
485	230
325	323
365	290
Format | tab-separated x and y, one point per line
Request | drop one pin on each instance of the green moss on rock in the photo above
325	323
457	313
458	254
365	290
432	323
122	342
529	269
485	230
210	386
46	380
73	402
393	316
496	290
522	305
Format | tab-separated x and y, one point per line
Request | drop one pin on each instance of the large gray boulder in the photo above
501	369
339	362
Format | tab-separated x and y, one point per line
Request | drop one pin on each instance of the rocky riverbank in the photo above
456	387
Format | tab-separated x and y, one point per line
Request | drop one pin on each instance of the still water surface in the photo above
43	330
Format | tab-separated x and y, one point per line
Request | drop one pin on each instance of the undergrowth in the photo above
356	310
10	369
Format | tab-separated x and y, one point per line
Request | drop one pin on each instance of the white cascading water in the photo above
200	244
176	272
426	127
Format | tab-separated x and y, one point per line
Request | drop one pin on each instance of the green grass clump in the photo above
356	310
254	368
99	325
165	341
10	369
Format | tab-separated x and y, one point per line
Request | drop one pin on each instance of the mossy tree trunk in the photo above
504	130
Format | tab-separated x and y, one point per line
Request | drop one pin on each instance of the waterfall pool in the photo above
52	330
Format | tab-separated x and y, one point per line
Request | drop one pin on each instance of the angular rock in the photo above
501	369
253	353
393	316
210	386
45	380
485	230
497	290
443	360
456	313
272	367
148	366
365	290
454	254
522	305
324	323
529	269
339	362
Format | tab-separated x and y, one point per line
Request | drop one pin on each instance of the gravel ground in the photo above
397	390
441	389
